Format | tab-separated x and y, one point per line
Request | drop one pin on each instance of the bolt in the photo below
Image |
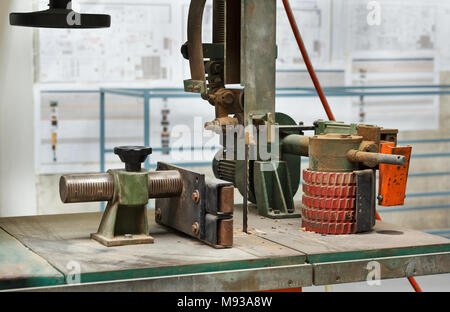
158	214
195	228
196	196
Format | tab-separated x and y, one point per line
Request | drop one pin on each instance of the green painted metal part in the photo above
124	221
133	187
21	268
325	127
273	191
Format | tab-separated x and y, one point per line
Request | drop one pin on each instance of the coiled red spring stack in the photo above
329	202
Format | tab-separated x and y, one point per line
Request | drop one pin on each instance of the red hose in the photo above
308	64
414	284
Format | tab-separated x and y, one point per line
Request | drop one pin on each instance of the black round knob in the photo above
60	15
185	51
133	156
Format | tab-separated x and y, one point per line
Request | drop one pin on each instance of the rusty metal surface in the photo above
233	42
80	188
370	133
163	184
182	212
196	211
389	135
374	159
328	152
194	35
226	199
225	232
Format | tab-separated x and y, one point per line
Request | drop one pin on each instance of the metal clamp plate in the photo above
203	210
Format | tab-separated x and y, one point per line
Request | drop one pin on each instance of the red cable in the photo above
414	284
308	64
319	90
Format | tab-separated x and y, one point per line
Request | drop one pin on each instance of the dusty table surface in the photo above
385	240
63	241
50	247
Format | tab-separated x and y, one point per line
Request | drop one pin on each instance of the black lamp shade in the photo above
60	15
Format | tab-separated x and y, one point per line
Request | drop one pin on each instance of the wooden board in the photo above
64	239
386	240
20	267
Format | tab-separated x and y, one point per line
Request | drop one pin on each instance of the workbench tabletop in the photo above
385	240
46	249
64	241
20	267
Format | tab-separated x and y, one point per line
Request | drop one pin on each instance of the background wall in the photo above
17	124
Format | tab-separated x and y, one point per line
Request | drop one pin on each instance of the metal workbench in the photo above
44	252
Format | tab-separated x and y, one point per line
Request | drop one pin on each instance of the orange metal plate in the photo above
393	178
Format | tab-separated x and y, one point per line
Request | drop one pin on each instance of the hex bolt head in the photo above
195	228
196	196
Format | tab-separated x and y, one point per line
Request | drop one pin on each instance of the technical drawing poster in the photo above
142	44
313	17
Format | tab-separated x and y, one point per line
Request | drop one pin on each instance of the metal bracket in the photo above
204	209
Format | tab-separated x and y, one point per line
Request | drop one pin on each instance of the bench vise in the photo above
185	201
